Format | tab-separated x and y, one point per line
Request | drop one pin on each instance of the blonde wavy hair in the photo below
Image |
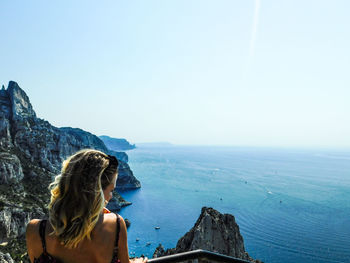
77	197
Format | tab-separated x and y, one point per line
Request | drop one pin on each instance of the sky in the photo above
240	73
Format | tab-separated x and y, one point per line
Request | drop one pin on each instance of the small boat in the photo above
137	239
148	243
157	227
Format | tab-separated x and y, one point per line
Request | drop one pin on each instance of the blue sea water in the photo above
291	205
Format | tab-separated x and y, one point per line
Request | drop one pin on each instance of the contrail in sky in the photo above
254	30
252	39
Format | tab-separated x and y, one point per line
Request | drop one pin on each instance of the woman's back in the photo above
99	249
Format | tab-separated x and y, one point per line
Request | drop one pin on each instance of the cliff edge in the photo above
117	144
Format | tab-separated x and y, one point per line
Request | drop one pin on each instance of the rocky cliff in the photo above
31	154
214	232
5	258
117	144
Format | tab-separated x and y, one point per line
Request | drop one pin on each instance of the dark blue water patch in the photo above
291	205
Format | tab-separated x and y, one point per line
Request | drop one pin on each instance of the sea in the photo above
292	205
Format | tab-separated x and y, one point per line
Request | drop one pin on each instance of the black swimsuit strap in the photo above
117	232
42	227
115	250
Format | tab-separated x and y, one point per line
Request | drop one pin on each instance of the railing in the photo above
199	254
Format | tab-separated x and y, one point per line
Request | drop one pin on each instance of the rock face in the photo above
20	105
12	221
160	251
117	144
31	153
10	168
5	258
116	203
214	232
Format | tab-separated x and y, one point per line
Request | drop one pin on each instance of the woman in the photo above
80	228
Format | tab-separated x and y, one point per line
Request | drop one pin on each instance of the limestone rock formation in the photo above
20	105
126	180
14	220
214	232
122	156
127	222
5	135
117	202
5	258
117	144
160	251
10	168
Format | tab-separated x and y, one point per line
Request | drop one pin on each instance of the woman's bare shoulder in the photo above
122	221
34	246
111	218
33	228
109	226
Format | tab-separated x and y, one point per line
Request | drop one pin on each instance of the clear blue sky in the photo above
259	73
